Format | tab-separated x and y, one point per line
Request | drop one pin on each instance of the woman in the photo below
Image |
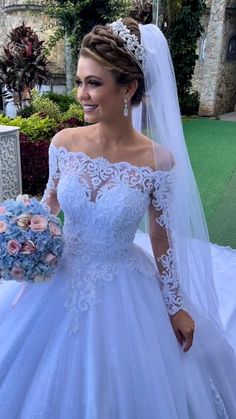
109	337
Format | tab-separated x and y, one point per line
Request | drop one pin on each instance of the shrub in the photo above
47	106
182	34
34	127
37	128
69	123
4	120
189	103
26	112
34	164
74	111
63	101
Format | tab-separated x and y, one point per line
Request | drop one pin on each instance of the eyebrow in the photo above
90	77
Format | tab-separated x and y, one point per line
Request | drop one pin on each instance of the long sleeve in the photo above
161	239
50	193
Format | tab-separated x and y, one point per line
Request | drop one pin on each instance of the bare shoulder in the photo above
163	157
157	156
68	137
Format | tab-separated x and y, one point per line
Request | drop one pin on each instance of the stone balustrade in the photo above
10	163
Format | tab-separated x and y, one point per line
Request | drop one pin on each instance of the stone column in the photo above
213	56
10	163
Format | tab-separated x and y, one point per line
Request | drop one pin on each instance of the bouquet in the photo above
31	241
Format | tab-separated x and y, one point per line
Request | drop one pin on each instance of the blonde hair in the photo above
102	45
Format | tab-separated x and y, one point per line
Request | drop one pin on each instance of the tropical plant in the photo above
23	64
182	33
74	19
142	11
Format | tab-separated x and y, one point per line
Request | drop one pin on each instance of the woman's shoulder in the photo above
158	157
67	137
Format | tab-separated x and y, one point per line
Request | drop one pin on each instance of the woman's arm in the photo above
50	193
160	236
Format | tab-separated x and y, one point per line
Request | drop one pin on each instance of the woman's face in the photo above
100	95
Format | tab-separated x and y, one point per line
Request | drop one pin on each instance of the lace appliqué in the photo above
218	401
162	196
54	173
170	283
85	284
104	203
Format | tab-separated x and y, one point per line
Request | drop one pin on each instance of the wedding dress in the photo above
95	342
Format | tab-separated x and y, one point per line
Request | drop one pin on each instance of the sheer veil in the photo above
159	117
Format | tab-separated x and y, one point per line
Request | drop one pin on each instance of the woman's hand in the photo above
183	326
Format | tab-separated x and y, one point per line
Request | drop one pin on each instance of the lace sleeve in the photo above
160	235
50	193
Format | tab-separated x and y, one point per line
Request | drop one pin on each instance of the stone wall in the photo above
226	88
215	77
198	71
213	60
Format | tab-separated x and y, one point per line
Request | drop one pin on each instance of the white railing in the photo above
10	163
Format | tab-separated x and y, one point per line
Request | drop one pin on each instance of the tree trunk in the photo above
69	66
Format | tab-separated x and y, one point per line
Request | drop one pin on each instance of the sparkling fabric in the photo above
96	341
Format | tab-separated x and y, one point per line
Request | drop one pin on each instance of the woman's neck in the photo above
113	136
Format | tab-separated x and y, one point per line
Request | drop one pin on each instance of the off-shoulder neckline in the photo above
110	163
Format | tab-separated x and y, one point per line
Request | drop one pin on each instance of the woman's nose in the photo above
82	92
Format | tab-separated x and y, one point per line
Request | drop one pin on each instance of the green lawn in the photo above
212	149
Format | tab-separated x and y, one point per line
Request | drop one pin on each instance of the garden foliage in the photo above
76	18
183	32
36	132
23	64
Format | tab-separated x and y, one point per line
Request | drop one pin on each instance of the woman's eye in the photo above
94	83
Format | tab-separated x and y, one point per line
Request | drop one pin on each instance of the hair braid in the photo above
107	48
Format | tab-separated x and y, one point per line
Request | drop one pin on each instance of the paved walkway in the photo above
228	116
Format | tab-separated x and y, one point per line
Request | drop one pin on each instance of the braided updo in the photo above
104	46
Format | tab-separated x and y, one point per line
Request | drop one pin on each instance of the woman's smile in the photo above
89	108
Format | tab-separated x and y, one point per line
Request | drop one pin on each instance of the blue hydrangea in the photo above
31	240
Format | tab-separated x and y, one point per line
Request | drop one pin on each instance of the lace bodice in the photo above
103	204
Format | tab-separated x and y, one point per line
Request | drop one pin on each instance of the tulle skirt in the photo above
123	362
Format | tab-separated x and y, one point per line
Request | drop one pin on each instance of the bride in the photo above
115	335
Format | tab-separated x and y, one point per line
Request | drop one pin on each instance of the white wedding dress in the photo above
96	341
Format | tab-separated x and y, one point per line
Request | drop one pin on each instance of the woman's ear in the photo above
131	89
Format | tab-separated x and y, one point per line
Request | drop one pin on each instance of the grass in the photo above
212	149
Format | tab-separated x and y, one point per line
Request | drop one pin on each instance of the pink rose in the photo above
28	248
51	259
13	247
2	210
25	199
40	278
54	229
23	220
17	273
38	223
3	226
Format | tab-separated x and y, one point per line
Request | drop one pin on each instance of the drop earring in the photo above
126	110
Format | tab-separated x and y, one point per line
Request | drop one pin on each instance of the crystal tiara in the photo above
132	45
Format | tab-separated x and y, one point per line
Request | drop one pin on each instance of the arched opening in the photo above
202	47
231	50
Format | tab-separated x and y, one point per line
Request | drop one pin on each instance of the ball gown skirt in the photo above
119	359
96	341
